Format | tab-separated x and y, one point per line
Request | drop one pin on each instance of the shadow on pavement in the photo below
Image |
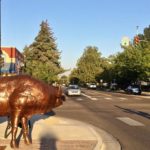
140	113
36	118
48	141
43	116
31	125
3	119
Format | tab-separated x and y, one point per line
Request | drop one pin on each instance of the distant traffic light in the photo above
136	40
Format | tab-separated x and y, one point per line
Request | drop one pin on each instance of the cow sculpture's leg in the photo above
14	122
8	128
25	128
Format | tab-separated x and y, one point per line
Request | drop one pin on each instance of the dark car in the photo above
134	89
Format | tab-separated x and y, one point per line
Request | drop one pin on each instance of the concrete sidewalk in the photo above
56	133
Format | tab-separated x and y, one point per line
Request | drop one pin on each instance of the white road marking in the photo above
108	98
79	99
91	98
94	99
86	95
137	98
130	121
122	98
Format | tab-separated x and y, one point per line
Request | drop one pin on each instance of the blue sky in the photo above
76	24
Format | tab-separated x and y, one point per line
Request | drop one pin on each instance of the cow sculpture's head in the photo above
60	97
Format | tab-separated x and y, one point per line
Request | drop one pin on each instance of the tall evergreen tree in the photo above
42	56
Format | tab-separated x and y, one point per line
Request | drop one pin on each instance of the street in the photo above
126	117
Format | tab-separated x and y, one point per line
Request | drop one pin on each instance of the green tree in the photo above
89	65
74	76
147	33
42	56
132	64
63	80
108	72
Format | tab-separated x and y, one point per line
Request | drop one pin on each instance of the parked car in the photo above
113	86
133	89
73	90
92	86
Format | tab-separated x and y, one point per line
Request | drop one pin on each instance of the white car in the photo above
92	86
73	90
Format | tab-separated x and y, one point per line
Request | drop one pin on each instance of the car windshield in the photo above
73	87
92	84
135	86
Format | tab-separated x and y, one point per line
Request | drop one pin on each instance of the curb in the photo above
108	142
64	129
105	141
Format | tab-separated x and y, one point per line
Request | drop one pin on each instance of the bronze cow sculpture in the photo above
21	97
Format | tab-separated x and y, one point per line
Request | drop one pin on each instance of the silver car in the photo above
73	90
92	86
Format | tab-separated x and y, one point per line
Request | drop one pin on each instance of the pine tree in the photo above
42	56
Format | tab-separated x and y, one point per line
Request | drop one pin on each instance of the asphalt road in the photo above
126	117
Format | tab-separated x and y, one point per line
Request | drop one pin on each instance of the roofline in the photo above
8	47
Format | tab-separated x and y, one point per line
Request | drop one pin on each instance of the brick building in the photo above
13	61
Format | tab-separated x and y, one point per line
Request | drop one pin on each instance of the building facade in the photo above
13	61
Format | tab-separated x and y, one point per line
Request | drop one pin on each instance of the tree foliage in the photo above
133	64
147	33
42	56
89	66
108	71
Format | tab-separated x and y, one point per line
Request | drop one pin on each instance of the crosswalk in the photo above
108	98
100	98
90	97
96	99
126	120
130	122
